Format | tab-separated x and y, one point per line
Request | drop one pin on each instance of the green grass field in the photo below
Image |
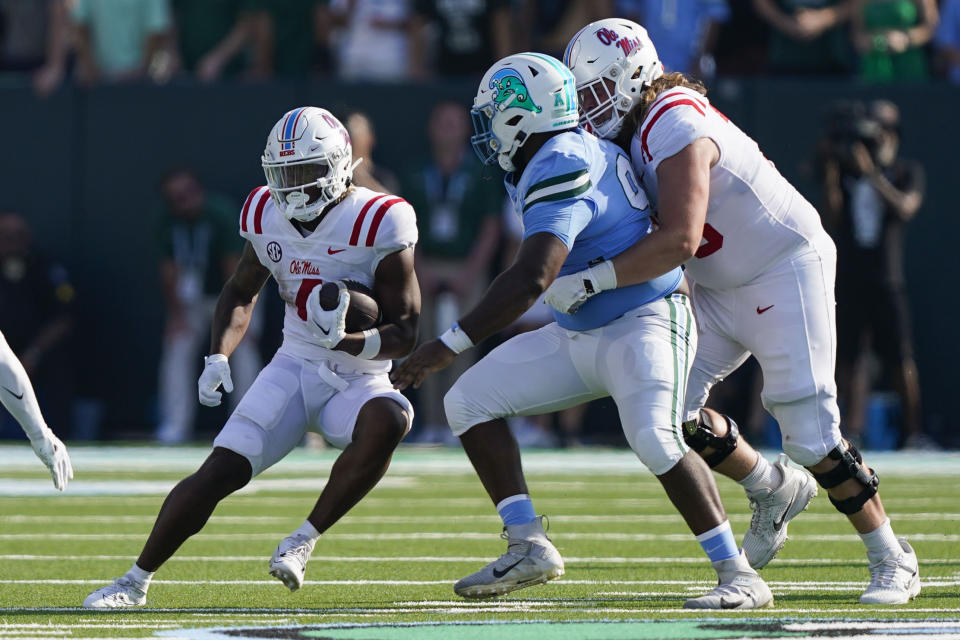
387	569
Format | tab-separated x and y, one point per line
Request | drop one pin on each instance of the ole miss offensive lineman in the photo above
308	226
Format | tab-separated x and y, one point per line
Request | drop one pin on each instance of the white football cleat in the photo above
773	510
289	561
530	559
121	594
740	587
894	579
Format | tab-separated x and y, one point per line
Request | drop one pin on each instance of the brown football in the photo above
363	312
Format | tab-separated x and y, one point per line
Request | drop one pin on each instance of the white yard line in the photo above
454	559
463	535
813	585
349	520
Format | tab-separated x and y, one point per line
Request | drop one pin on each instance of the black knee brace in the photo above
699	435
850	465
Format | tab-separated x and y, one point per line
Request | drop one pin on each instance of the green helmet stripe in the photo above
569	83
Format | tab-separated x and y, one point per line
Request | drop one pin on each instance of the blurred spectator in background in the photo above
37	318
891	36
458	212
123	40
211	35
290	36
372	39
200	247
683	31
809	37
948	39
368	173
871	193
33	38
548	25
466	35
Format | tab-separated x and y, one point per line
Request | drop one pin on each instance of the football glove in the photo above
216	371
328	327
53	453
567	293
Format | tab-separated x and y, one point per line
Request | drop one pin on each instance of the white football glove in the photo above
328	327
216	371
53	453
567	293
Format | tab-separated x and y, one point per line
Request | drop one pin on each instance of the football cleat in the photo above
740	587
530	559
121	594
289	561
894	579
773	510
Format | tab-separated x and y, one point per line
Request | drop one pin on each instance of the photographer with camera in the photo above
871	193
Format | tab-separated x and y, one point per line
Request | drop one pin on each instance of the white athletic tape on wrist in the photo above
604	276
456	339
216	357
371	344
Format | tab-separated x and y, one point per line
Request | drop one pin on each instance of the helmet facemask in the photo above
302	190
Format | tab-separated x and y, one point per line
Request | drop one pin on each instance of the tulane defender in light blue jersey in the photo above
583	190
580	204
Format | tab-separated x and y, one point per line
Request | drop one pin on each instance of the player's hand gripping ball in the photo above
338	308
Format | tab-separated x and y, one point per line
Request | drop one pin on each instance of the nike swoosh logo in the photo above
726	604
778	523
764	310
500	574
18	397
331	251
326	332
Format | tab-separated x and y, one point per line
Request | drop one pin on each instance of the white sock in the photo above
763	476
139	577
881	542
308	530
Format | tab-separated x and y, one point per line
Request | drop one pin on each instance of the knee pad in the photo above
849	466
658	448
462	411
698	434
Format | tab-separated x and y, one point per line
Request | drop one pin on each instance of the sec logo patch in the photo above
274	252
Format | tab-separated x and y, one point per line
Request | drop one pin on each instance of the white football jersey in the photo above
348	244
755	218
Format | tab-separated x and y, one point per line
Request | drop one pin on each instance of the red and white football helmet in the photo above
308	162
613	61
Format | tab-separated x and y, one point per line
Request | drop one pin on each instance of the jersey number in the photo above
712	241
306	286
628	180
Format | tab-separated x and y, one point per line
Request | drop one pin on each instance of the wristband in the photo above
456	339
602	276
216	357
371	344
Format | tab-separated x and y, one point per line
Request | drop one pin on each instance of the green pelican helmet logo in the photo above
510	91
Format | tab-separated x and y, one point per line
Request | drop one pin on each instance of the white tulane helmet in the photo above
521	94
308	162
613	61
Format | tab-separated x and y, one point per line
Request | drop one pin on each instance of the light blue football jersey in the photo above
584	191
